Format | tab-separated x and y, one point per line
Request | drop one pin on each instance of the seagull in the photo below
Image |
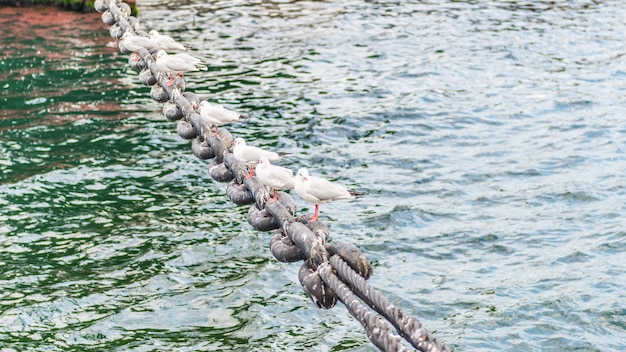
318	190
164	42
217	115
135	42
177	63
250	155
273	176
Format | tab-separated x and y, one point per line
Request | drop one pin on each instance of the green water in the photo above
488	136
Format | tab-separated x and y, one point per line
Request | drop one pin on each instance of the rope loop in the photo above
220	145
264	220
145	76
239	194
107	18
311	245
319	229
258	190
194	103
158	94
284	250
171	111
219	172
99	5
286	201
352	256
134	23
177	83
320	293
116	31
201	149
136	63
124	8
185	130
261	219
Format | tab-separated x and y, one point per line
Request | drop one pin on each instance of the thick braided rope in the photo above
309	240
411	329
378	331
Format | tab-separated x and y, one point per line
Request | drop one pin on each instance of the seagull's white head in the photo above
153	33
160	54
264	161
303	174
239	141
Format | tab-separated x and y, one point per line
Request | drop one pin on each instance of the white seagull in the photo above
177	63
250	155
273	176
217	115
318	190
164	42
135	42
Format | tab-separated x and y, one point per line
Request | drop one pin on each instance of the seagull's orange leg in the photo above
316	215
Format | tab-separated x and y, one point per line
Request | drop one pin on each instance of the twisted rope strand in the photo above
407	326
378	331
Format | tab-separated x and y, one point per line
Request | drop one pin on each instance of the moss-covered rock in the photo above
76	5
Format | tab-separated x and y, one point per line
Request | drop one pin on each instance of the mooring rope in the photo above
331	271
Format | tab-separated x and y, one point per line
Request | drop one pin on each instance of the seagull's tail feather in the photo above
356	193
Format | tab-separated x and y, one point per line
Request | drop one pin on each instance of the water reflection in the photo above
51	67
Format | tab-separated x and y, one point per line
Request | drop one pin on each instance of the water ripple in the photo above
487	136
